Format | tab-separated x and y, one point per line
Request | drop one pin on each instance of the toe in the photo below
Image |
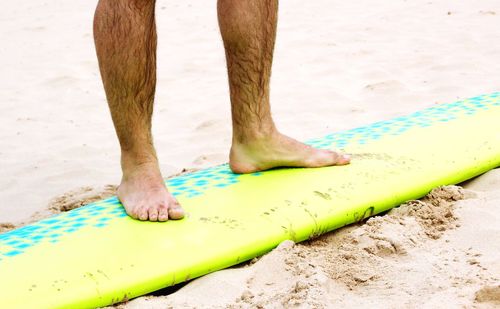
325	158
342	158
131	212
175	212
163	213
329	158
142	214
153	214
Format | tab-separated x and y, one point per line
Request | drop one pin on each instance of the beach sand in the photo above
338	65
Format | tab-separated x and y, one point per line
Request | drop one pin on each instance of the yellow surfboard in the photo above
96	255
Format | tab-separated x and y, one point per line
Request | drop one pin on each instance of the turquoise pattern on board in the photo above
50	230
100	214
396	126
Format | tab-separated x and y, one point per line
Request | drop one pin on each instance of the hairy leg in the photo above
248	29
125	40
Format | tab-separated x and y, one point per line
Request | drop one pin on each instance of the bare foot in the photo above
280	150
145	196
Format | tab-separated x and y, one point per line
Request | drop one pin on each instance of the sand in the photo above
337	65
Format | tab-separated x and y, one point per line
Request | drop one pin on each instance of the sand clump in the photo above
489	294
80	197
5	227
361	255
435	211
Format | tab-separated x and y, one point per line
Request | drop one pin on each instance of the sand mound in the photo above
4	227
489	294
79	197
368	253
434	212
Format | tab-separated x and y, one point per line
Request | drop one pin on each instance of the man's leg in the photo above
125	39
248	29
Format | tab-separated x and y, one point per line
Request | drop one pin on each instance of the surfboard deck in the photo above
96	255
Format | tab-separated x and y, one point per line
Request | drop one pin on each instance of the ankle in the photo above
131	161
254	134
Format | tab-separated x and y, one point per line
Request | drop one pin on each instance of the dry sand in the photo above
337	64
